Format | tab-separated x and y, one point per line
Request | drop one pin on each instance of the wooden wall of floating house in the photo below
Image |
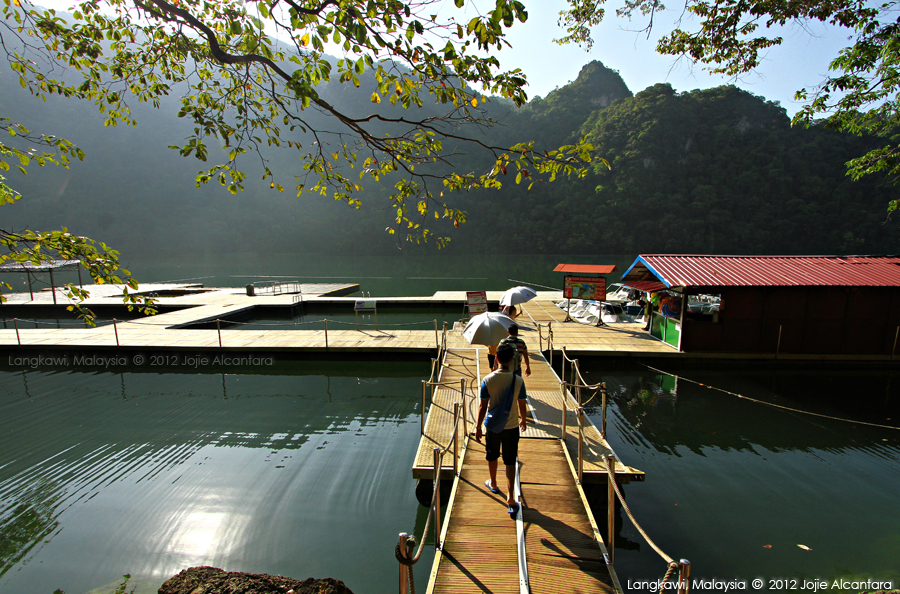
783	324
866	326
893	322
813	321
741	317
701	336
824	327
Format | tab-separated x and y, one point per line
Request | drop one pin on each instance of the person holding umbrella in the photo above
488	329
513	297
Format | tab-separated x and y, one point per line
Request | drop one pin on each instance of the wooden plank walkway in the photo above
544	409
563	548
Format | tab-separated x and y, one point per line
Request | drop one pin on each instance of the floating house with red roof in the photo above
808	306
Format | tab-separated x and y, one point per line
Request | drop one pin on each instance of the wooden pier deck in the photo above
620	339
480	542
171	330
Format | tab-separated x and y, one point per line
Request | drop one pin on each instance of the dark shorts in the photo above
507	441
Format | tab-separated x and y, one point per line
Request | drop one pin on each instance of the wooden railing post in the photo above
611	507
404	568
562	365
462	393
437	341
576	379
326	332
422	432
219	330
116	330
603	422
437	498
456	438
572	376
684	575
565	409
16	324
550	341
581	445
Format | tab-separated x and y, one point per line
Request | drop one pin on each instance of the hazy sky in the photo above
801	61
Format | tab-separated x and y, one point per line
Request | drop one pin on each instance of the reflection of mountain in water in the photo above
26	519
666	412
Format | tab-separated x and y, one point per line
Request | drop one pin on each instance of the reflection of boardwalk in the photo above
563	549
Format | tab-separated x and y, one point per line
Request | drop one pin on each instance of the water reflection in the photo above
735	485
103	474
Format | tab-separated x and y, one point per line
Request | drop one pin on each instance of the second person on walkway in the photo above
521	351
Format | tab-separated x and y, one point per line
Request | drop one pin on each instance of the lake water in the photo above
344	318
414	273
303	469
735	486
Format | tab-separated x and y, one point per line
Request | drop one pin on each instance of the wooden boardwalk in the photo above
480	552
172	330
544	411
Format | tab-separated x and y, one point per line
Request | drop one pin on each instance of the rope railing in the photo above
577	381
403	551
433	385
71	323
772	404
549	339
683	566
232	322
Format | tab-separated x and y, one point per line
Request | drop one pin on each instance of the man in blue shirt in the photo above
493	390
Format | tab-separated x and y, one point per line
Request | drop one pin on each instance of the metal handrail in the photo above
277	287
406	544
683	566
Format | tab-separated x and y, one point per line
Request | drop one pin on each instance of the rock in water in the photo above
212	580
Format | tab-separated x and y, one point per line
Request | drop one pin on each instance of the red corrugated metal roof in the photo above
586	268
748	271
648	286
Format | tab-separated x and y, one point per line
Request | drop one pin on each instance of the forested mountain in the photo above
714	171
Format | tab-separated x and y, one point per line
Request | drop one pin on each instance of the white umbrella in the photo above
517	295
487	328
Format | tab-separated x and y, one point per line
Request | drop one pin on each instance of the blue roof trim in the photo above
641	260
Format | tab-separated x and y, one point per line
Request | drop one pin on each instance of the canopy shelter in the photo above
586	268
30	268
584	287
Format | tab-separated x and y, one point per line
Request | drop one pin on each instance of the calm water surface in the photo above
734	486
303	471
